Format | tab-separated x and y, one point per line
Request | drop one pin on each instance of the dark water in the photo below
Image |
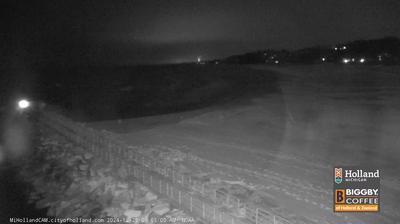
105	93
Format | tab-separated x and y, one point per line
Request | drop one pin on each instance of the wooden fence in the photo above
165	180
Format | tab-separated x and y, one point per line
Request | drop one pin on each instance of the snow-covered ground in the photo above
321	116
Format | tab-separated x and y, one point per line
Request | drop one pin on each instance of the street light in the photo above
23	104
346	60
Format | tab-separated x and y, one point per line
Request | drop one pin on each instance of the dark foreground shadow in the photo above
14	196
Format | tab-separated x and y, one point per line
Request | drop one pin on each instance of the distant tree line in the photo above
375	51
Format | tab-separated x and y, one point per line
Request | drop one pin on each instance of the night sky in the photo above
132	32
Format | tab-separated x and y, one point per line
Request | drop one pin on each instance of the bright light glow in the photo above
276	62
346	60
23	104
344	47
323	59
198	59
335	48
353	59
380	58
362	60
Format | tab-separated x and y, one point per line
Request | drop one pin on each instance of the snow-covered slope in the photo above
319	117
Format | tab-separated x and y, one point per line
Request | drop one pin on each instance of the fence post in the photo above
191	204
151	181
180	198
274	220
143	175
129	169
214	213
204	209
256	215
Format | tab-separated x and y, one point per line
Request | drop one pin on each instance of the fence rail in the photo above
165	180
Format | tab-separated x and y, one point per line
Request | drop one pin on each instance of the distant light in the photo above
216	62
323	59
335	48
276	62
346	60
379	57
344	48
353	59
198	59
362	60
23	104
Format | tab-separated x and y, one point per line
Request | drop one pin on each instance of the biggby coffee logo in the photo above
340	196
338	175
356	189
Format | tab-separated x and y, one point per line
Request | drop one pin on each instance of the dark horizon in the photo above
156	32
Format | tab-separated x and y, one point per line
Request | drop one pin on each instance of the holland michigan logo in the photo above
338	175
356	189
